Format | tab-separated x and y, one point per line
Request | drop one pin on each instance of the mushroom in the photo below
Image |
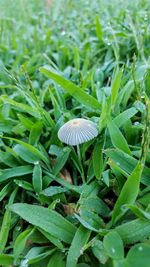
77	131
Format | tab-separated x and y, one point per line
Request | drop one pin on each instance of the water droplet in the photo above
36	162
136	123
142	96
140	248
118	163
63	33
113	250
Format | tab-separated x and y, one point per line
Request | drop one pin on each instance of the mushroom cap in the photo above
77	131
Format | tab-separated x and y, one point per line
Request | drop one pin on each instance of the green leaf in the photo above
32	149
61	160
20	106
57	260
20	242
117	138
127	164
35	133
76	249
15	172
24	184
128	193
99	251
6	260
123	117
98	159
113	245
139	255
53	190
6	223
48	220
115	86
99	31
105	113
26	122
36	254
94	204
140	213
25	154
71	88
134	231
52	239
37	178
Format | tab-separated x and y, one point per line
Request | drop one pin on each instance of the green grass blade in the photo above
128	193
76	249
117	137
48	220
115	86
123	117
71	88
113	245
37	178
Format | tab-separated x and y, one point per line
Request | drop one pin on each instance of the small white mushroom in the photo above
77	131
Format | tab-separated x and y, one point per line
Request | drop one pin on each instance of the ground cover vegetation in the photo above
61	60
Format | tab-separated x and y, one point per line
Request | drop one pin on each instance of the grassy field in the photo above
61	60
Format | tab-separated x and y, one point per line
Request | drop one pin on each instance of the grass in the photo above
59	61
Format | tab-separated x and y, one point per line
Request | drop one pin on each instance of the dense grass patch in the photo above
61	60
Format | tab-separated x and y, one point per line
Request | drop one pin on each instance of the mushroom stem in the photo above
79	156
78	152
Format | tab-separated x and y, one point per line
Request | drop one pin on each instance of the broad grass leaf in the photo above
37	178
20	242
76	249
25	154
52	239
48	220
5	190
61	160
26	122
53	190
117	137
6	223
86	224
128	193
134	231
139	255
21	107
127	164
99	251
95	204
37	254
99	31
6	260
98	159
6	126
15	172
71	88
4	232
123	117
24	184
32	149
113	245
140	213
105	113
57	260
35	133
115	86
